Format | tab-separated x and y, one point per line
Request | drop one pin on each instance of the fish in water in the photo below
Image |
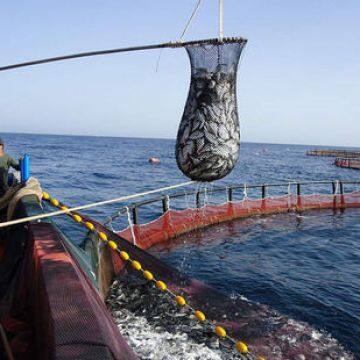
208	139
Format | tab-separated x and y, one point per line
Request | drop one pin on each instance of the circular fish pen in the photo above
187	247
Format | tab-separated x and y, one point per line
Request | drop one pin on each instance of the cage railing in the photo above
335	187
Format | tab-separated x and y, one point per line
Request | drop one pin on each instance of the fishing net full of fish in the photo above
208	139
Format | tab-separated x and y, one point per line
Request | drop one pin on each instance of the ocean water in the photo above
306	267
79	170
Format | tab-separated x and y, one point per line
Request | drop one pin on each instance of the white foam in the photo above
150	342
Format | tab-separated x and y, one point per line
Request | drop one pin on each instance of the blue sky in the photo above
299	79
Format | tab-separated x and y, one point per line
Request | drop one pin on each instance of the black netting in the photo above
208	139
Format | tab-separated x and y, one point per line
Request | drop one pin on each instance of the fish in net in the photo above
208	139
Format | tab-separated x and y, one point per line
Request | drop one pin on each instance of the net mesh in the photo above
177	222
260	327
55	311
208	138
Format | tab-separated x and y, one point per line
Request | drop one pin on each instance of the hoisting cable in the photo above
221	19
192	17
118	50
92	205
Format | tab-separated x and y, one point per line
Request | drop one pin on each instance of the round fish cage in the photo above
167	299
261	327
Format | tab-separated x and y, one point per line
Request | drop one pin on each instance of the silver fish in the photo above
208	140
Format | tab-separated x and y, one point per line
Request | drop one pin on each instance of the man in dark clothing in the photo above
6	162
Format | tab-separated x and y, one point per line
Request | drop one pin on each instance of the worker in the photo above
6	162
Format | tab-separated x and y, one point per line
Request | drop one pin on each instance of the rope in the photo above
245	193
169	212
89	206
289	194
205	197
190	20
131	225
158	60
289	188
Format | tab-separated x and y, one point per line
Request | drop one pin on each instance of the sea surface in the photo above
307	266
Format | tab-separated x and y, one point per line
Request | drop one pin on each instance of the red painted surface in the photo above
56	312
348	163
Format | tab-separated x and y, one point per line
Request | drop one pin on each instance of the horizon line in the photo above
166	138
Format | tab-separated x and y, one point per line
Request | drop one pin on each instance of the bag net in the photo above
208	139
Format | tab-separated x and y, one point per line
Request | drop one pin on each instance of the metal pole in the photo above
263	191
165	204
221	20
135	216
120	50
198	205
230	194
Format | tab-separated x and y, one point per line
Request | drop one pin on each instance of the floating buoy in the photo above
77	218
161	285
112	245
89	226
200	315
54	202
242	348
45	196
148	275
64	208
154	160
124	255
220	331
136	265
180	300
102	236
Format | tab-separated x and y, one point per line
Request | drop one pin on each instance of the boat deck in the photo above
49	309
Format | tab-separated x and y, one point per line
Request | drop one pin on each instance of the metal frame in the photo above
229	191
177	44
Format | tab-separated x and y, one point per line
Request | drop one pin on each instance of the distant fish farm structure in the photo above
344	158
347	154
350	163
